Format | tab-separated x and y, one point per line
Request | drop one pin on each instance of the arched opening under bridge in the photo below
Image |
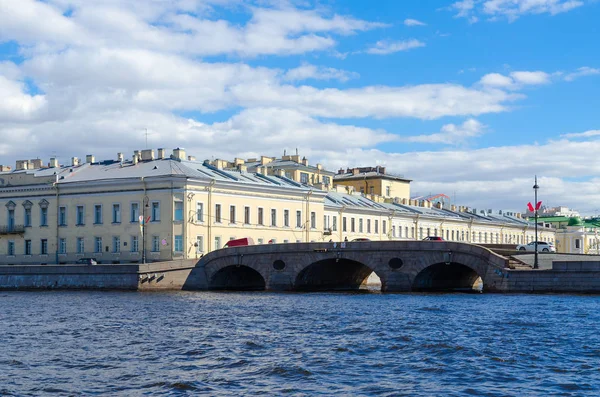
452	277
237	278
336	275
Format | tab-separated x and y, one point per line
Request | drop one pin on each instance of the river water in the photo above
362	344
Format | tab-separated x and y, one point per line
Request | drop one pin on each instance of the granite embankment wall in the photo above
154	276
565	276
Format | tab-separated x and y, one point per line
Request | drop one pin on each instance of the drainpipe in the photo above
210	219
341	224
308	215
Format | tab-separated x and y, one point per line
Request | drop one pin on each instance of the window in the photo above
368	226
80	215
412	232
97	214
393	231
326	181
44	247
81	247
27	247
313	220
362	189
199	212
334	225
62	216
11	248
344	225
352	225
260	217
406	231
134	244
372	189
155	211
155	244
116	213
387	191
383	227
116	244
260	241
376	226
420	232
428	232
178	211
325	222
273	217
135	212
179	243
98	245
44	216
62	246
218	213
360	225
11	219
286	218
217	243
298	219
27	221
232	214
577	243
199	244
304	178
247	215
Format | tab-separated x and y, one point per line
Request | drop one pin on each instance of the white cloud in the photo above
16	104
307	71
496	80
583	71
413	22
531	78
511	9
384	47
451	134
586	134
515	80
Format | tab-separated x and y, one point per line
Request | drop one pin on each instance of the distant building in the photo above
374	181
554	211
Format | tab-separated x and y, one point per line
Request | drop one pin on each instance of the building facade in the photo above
149	208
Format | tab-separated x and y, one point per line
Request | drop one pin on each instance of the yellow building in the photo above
156	208
374	181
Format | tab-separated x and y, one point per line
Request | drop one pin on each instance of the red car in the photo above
433	238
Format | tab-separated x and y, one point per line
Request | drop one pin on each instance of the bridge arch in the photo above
237	278
333	274
447	277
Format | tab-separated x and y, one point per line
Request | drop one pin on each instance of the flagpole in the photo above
535	260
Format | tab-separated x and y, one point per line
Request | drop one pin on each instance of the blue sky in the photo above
470	98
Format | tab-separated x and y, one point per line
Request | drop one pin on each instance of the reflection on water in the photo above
194	343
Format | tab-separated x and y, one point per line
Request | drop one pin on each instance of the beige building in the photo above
155	207
374	181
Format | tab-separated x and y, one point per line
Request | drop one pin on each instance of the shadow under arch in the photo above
333	275
442	277
237	278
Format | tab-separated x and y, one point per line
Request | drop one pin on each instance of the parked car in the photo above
433	238
240	242
361	239
543	246
86	261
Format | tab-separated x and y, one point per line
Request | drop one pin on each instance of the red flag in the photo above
538	205
530	207
148	220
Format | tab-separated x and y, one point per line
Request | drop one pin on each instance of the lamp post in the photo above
535	215
144	206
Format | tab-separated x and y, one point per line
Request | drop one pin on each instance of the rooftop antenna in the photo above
296	151
146	138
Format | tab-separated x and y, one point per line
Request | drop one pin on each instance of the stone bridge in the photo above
401	266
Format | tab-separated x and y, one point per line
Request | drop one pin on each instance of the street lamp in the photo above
145	205
535	215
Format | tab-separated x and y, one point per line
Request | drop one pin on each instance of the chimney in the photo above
319	166
265	160
30	165
74	161
355	171
304	161
161	153
134	158
341	171
295	158
237	161
147	155
453	208
120	157
89	159
242	168
439	205
178	154
53	162
4	168
191	158
280	172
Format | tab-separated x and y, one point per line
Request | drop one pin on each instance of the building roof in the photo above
349	176
287	164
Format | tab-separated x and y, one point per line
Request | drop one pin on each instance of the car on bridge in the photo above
433	238
542	246
86	261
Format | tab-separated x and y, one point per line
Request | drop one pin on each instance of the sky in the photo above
469	98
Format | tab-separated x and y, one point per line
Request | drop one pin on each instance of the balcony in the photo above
12	229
